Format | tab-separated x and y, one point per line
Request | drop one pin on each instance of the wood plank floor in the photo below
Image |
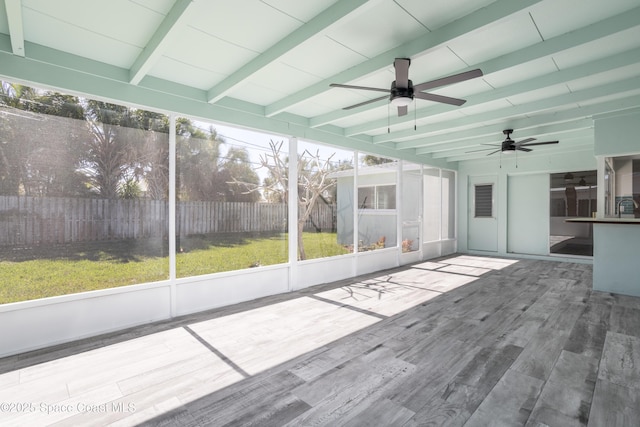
462	340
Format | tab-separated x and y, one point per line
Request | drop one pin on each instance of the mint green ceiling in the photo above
549	66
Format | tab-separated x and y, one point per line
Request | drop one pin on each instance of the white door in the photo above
483	223
528	214
411	215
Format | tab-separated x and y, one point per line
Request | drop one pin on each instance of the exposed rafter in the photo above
104	86
16	31
156	46
566	120
547	48
529	127
560	130
621	87
486	16
588	64
335	14
564	76
571	142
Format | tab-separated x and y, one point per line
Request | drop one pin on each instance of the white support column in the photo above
600	189
356	167
455	209
421	214
172	211
440	221
399	209
293	213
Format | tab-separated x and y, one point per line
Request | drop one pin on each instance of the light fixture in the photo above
582	182
568	177
401	101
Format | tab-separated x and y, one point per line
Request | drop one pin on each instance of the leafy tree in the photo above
198	158
40	151
237	169
11	148
206	174
52	167
12	94
61	145
129	189
111	152
153	159
371	160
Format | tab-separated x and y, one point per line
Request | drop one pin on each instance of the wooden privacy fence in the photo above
26	221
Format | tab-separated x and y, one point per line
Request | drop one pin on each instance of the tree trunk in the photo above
301	253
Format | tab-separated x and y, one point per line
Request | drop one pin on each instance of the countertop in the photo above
605	220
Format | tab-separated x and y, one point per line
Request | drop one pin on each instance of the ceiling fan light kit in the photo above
401	101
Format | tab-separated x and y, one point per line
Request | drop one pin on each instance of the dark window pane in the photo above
366	197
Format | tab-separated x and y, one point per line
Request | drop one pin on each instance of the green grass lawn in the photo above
39	274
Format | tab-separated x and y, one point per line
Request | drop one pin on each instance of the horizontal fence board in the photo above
28	221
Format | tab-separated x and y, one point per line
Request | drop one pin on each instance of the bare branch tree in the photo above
313	182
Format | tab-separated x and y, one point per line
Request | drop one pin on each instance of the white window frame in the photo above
376	198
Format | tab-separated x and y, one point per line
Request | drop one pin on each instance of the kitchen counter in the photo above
616	258
605	220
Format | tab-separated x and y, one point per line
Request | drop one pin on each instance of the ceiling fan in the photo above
403	91
509	145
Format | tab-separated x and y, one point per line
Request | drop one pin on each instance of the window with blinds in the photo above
484	201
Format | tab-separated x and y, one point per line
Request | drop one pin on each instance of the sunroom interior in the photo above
160	158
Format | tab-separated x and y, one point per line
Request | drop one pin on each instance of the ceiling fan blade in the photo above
494	152
483	149
523	149
402	110
439	98
538	143
366	102
455	78
524	141
359	87
402	72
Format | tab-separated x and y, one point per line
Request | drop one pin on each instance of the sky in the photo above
257	143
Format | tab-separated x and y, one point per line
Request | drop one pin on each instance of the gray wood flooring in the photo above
462	340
